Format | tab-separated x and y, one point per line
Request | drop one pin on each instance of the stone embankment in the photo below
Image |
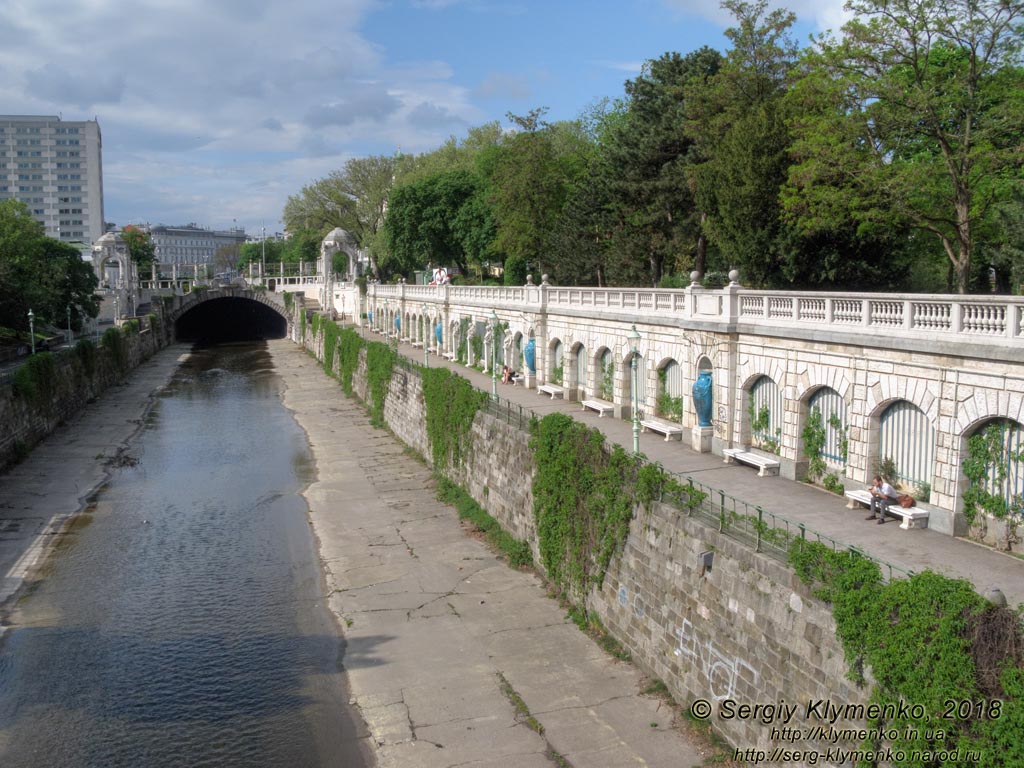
744	630
49	388
452	657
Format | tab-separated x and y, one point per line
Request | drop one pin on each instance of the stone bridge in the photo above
228	312
893	381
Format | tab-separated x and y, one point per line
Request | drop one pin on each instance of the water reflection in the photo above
182	623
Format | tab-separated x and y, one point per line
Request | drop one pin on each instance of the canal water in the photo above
181	621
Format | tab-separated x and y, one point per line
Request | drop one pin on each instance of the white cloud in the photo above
822	14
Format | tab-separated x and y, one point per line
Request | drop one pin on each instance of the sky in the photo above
215	111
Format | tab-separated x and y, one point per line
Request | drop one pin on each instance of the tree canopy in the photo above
865	161
40	273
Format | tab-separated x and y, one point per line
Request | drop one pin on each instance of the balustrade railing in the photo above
929	316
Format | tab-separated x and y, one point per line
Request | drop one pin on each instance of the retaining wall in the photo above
24	423
745	630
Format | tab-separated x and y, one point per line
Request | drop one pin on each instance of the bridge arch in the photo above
230	314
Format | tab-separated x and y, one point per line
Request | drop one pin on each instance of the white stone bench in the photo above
418	344
765	465
550	389
665	428
602	407
449	356
913	517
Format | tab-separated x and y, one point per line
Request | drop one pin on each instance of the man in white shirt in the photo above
882	495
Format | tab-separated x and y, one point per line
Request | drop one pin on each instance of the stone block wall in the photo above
747	630
23	424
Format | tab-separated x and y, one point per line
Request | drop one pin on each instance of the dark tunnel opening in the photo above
230	319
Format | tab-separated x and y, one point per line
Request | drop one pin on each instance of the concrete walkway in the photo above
440	634
824	512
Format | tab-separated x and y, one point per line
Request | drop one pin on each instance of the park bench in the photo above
913	517
418	344
668	429
449	356
550	389
602	407
765	465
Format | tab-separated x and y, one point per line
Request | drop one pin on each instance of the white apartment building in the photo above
55	167
190	244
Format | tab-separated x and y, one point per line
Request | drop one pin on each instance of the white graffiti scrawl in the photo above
720	670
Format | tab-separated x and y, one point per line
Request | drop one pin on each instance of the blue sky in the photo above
214	111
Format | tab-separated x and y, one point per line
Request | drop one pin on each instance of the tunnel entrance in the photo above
230	318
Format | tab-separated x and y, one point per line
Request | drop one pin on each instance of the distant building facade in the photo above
55	167
191	244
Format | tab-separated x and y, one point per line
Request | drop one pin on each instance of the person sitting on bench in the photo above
882	495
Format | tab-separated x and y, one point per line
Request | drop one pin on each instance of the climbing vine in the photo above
34	379
814	441
114	342
985	466
760	424
584	497
608	378
380	358
289	301
349	345
85	351
928	641
669	407
451	405
332	334
463	345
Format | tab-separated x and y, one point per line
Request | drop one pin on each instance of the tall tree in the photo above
650	158
440	220
140	247
913	117
531	177
40	273
739	127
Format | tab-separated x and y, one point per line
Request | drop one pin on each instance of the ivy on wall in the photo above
451	405
85	352
931	642
349	345
114	342
668	407
332	335
584	497
985	466
34	380
380	359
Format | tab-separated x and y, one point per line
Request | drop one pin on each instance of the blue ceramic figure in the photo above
702	398
398	322
530	353
437	333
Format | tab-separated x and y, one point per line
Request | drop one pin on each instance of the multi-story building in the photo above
191	244
55	167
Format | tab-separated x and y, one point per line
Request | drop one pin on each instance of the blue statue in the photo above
702	398
437	333
530	353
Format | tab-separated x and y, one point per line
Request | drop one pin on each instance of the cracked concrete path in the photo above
431	617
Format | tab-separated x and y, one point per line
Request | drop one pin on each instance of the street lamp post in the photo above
69	324
634	338
32	329
117	309
494	355
426	347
